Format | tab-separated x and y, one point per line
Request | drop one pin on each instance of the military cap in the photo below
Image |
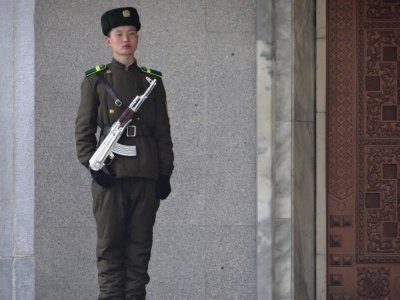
118	17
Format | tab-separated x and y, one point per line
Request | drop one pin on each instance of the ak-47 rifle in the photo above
105	150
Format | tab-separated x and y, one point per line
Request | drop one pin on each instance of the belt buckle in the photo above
131	131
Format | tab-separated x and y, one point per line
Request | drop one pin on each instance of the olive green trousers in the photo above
125	214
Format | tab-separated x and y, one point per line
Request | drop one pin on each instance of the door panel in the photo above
363	149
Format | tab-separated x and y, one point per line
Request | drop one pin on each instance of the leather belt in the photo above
125	150
131	131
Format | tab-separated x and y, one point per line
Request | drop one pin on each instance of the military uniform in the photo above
98	109
125	211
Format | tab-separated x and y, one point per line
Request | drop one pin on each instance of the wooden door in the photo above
363	149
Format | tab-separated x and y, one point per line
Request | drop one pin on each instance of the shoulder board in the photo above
95	70
151	72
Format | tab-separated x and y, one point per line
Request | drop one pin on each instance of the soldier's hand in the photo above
163	187
102	178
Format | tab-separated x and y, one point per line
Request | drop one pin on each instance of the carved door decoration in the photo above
363	140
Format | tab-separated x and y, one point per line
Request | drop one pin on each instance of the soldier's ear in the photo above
107	40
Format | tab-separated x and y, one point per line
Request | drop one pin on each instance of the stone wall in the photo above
17	262
285	149
205	234
239	77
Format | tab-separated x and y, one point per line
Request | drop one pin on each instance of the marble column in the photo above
274	131
285	139
264	149
17	263
283	147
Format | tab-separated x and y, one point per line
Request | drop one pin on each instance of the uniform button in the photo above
111	111
108	72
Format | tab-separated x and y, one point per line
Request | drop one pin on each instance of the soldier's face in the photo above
123	40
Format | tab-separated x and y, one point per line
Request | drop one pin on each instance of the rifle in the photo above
105	150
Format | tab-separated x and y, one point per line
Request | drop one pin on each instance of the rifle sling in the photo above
140	129
111	92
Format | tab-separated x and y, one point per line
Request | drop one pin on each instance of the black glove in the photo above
163	187
102	178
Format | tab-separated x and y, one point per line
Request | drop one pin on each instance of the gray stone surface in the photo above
179	251
16	147
230	262
6	277
6	130
62	185
231	15
6	36
181	59
230	130
66	263
24	279
6	226
24	82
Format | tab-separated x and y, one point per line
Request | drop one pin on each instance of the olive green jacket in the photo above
97	110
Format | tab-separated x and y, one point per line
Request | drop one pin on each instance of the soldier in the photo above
127	192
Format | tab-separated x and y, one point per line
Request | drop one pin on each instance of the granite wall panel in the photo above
179	51
6	130
66	263
180	252
230	130
231	15
230	262
24	81
24	278
16	148
6	278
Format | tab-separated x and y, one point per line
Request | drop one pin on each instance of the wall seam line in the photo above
13	154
